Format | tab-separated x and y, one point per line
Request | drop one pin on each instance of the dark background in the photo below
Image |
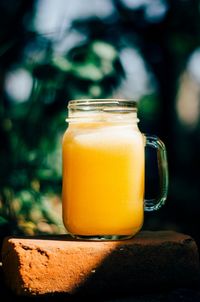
54	51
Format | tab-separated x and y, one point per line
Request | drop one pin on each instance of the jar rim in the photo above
121	102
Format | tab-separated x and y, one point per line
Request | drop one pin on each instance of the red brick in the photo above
150	260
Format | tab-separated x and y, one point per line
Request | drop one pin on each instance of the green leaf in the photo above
88	72
3	221
62	63
104	50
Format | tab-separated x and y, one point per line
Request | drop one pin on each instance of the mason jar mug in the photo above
104	170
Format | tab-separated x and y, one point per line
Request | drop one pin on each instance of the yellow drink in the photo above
103	179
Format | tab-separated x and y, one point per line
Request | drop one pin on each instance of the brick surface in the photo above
149	261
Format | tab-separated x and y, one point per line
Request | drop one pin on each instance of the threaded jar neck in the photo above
101	110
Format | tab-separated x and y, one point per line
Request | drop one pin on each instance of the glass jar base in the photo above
101	237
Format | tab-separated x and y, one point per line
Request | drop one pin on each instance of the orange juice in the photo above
103	179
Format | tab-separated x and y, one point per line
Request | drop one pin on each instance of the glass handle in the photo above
155	143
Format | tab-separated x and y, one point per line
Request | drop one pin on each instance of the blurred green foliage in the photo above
31	131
